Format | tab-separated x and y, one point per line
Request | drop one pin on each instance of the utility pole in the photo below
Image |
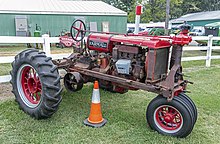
167	17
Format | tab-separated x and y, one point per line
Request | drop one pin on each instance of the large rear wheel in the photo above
36	83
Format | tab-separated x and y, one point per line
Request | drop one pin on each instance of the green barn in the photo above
199	18
20	17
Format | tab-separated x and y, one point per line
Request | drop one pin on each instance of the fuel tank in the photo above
100	42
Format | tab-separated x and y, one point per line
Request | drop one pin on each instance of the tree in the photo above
189	6
155	10
209	5
124	5
158	9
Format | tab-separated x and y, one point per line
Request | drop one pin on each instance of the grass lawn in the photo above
125	114
5	69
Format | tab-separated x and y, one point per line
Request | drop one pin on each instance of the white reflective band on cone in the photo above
95	96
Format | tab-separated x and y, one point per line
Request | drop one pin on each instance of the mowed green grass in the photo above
125	114
5	69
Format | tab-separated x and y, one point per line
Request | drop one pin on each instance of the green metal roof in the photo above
215	24
200	16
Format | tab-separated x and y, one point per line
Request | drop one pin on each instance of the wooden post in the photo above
46	44
209	51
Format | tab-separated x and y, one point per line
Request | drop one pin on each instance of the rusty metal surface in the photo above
166	87
118	80
157	63
169	81
116	47
128	49
104	63
175	67
65	62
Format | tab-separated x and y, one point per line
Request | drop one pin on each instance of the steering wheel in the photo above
78	30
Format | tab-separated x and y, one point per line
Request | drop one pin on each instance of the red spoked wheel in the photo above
174	118
168	118
78	30
36	83
29	85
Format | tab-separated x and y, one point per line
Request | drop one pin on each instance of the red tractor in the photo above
66	41
120	63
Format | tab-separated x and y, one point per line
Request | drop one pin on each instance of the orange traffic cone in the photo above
95	118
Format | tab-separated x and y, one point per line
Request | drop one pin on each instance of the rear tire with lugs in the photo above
36	83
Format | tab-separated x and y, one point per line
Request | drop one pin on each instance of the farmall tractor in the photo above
120	63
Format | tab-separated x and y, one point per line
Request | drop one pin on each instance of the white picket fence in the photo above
46	41
208	49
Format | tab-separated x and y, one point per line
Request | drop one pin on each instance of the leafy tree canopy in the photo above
155	10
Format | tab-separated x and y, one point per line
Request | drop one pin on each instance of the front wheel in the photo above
73	81
172	118
36	83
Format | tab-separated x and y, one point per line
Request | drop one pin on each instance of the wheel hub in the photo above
73	81
168	118
32	85
29	85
